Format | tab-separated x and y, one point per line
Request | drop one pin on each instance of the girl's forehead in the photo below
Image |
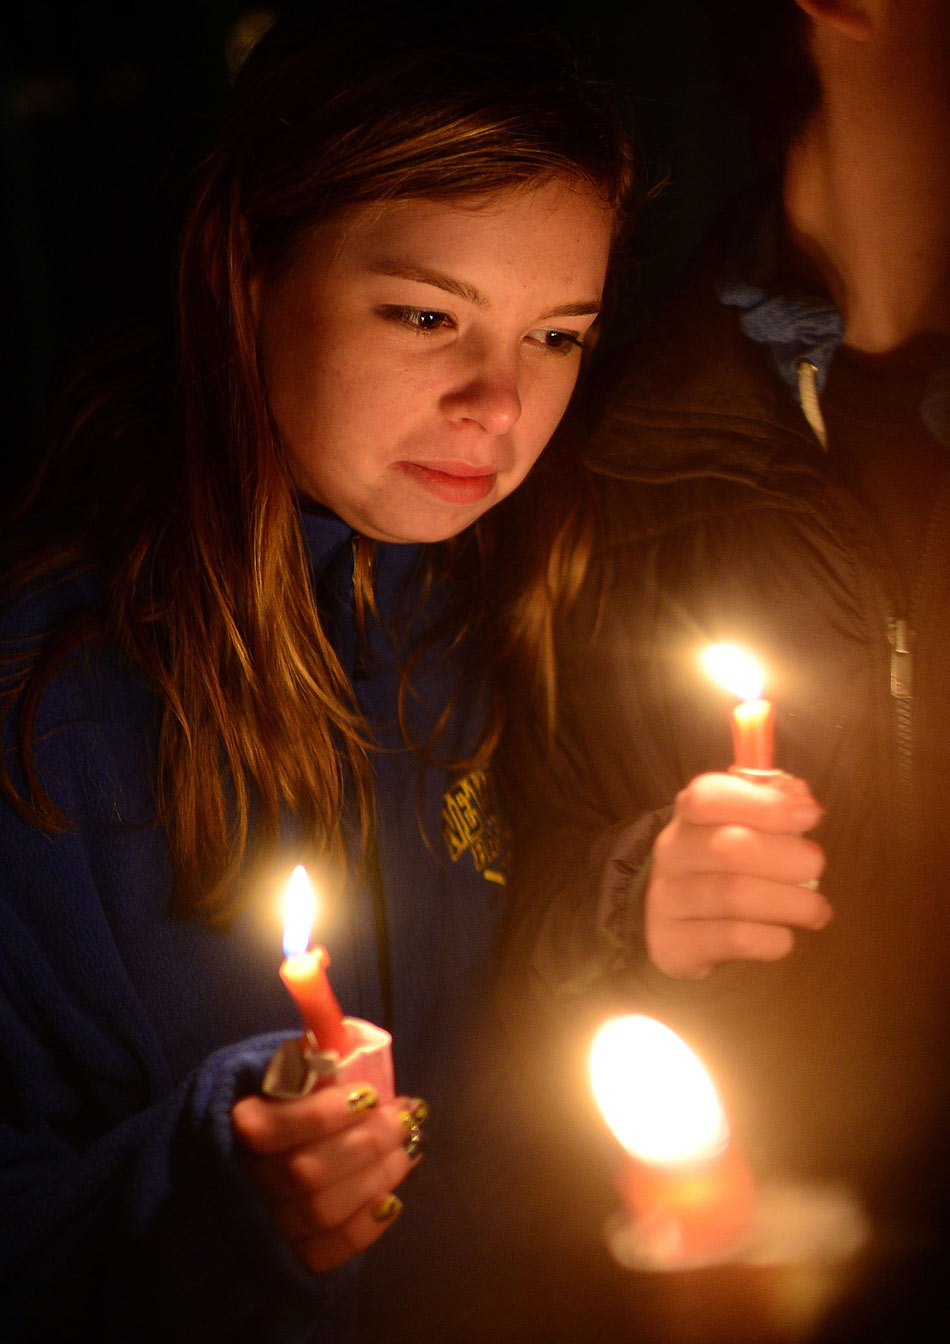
516	250
555	226
483	201
475	213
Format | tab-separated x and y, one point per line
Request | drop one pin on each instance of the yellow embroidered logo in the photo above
469	823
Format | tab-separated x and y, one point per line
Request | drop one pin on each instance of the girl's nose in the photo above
487	395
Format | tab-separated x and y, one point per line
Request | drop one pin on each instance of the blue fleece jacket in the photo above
127	1034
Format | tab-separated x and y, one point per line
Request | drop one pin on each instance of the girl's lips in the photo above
454	482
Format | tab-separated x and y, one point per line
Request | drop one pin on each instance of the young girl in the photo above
260	628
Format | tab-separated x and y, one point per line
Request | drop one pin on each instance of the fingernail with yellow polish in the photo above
362	1099
387	1208
414	1141
410	1117
419	1110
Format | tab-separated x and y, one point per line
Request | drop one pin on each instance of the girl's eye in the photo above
423	320
558	342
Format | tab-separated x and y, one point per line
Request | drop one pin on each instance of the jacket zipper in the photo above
384	958
901	637
374	867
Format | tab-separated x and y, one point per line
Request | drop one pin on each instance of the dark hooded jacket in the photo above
725	519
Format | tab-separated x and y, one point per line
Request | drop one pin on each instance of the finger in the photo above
683	848
717	799
267	1126
324	1209
689	951
313	1166
738	897
329	1250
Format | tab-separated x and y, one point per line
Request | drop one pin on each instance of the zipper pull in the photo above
809	400
900	639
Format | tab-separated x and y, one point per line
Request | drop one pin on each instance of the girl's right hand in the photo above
326	1165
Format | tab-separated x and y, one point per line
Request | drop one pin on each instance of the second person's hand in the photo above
733	876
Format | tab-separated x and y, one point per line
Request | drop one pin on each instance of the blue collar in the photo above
329	544
795	325
325	534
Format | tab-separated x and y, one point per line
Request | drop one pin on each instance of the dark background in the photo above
105	108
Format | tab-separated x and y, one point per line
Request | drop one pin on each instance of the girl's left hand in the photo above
326	1165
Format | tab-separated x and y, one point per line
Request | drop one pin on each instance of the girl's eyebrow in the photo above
586	308
406	270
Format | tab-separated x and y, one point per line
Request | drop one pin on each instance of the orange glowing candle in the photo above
304	970
753	718
686	1185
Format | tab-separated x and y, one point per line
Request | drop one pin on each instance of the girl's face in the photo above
418	354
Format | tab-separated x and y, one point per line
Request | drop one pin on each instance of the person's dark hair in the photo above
182	495
767	68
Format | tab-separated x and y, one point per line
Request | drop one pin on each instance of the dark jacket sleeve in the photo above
577	920
125	1211
581	856
153	1229
588	806
126	1208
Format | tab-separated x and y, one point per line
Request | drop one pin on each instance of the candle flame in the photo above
735	670
299	910
655	1094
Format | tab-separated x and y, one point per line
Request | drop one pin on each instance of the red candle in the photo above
752	732
686	1186
691	1211
304	970
754	718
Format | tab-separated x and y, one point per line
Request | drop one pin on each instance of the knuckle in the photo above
693	968
319	1255
817	914
323	1210
671	958
804	875
351	1240
751	942
664	847
817	857
247	1125
783	942
395	1168
742	942
654	946
689	804
681	801
696	793
731	894
659	941
727	844
375	1144
304	1171
659	902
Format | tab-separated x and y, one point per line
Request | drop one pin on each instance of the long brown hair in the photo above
194	520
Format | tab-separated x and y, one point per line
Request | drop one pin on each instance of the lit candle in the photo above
687	1187
304	970
753	718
